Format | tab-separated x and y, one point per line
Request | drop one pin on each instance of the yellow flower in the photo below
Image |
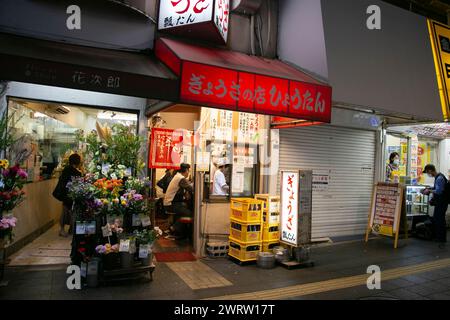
116	200
4	163
124	203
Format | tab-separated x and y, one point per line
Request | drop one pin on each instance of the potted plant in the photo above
147	238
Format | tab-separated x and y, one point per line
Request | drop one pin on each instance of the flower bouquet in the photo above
12	181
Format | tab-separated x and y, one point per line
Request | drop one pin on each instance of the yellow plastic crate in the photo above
244	251
271	218
267	246
246	209
245	231
271	203
271	233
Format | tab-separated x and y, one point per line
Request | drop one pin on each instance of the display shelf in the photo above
127	273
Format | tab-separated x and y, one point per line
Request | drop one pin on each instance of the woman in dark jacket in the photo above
61	192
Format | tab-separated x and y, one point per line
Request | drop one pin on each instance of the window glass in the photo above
44	133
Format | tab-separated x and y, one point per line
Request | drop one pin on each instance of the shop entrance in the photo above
222	148
45	134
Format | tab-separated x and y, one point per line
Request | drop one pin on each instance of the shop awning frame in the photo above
50	63
235	81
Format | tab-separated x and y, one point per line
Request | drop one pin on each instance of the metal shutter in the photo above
349	157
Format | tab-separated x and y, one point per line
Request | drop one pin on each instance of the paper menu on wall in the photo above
238	174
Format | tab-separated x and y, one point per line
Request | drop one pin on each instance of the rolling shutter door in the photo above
347	156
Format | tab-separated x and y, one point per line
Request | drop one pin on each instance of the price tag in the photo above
106	230
83	269
136	220
90	227
143	251
124	246
81	228
145	220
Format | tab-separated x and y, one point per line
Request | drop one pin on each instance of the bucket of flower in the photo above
110	256
145	240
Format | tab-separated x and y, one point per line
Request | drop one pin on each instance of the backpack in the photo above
424	230
446	194
59	193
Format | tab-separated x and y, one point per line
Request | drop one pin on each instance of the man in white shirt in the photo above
221	187
174	199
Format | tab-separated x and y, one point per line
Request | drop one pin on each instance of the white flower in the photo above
113	176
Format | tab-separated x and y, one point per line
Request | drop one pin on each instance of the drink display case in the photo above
416	202
417	207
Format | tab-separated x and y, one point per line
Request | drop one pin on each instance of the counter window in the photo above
232	171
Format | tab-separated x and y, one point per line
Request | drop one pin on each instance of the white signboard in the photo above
222	17
176	13
289	206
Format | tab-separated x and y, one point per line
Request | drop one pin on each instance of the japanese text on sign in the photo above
175	13
247	92
166	149
289	209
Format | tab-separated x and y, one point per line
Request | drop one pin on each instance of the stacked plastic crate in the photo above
246	228
271	221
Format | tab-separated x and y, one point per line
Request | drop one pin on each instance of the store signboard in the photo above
289	206
386	211
440	42
167	148
202	19
240	91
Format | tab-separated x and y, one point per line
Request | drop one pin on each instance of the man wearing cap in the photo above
221	187
439	201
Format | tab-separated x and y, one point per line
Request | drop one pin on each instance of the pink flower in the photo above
22	174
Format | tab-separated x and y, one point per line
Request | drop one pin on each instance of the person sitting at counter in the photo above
174	199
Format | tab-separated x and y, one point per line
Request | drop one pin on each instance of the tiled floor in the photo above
48	249
198	275
184	281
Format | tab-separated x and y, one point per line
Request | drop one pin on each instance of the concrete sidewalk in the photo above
416	270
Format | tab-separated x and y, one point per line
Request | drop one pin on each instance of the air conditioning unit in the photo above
58	109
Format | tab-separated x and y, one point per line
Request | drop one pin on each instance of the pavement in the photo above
417	270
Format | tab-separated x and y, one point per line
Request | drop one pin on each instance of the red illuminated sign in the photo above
241	91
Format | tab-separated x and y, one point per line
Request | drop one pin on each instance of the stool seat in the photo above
186	220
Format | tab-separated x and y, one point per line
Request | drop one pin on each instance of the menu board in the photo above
386	209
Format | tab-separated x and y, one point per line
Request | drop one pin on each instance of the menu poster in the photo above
238	174
386	209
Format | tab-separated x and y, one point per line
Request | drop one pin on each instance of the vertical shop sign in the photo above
289	206
440	42
221	17
210	16
176	13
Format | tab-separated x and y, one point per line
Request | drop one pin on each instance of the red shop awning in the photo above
239	82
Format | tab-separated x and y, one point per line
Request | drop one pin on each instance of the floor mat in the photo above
174	256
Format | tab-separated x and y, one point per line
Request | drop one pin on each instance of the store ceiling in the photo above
433	9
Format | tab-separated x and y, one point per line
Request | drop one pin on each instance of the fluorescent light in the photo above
40	115
114	116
